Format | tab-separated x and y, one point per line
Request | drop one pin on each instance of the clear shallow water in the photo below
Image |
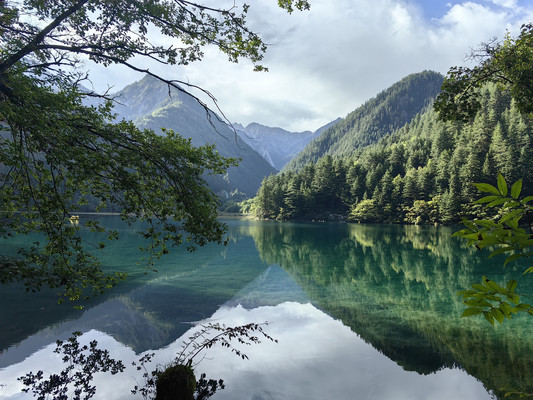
360	312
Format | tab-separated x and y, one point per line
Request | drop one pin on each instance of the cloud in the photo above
305	363
505	3
327	61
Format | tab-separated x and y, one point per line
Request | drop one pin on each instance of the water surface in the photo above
360	311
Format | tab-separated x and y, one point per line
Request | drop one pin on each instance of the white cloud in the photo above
505	3
325	62
305	363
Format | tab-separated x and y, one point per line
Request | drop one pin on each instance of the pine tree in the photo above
410	186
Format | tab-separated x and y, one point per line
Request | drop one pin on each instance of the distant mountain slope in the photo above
378	117
148	104
277	145
420	173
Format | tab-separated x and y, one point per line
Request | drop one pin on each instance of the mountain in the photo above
388	111
150	104
277	145
420	173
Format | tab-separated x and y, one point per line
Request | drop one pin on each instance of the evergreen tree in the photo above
410	186
294	201
323	184
423	171
501	153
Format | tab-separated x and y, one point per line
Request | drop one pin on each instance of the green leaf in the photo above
521	307
505	308
501	250
478	303
502	185
528	271
493	285
487	199
525	243
497	202
470	225
510	215
527	199
486	223
511	285
497	314
488	188
512	204
515	298
461	233
478	286
472	236
488	316
512	258
513	223
516	189
489	241
471	311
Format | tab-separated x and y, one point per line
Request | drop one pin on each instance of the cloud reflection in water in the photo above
317	357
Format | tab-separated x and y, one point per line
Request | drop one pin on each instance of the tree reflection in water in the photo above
396	287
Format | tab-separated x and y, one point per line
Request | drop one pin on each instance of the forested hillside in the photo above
421	172
378	117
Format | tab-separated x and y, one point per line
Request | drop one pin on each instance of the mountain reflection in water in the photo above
359	312
316	357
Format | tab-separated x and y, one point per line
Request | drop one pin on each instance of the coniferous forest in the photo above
421	172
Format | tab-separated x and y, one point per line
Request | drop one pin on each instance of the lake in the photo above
359	312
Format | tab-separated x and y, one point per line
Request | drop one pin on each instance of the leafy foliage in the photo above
506	235
509	64
199	342
119	33
82	363
148	177
207	388
223	335
289	5
176	382
203	388
57	154
365	211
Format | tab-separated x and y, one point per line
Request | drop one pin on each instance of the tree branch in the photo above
32	45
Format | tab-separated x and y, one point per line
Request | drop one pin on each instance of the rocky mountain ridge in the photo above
278	146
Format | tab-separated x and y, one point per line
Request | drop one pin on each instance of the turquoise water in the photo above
360	311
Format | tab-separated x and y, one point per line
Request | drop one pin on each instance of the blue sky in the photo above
326	62
436	9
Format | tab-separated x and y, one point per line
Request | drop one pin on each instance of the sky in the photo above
325	62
